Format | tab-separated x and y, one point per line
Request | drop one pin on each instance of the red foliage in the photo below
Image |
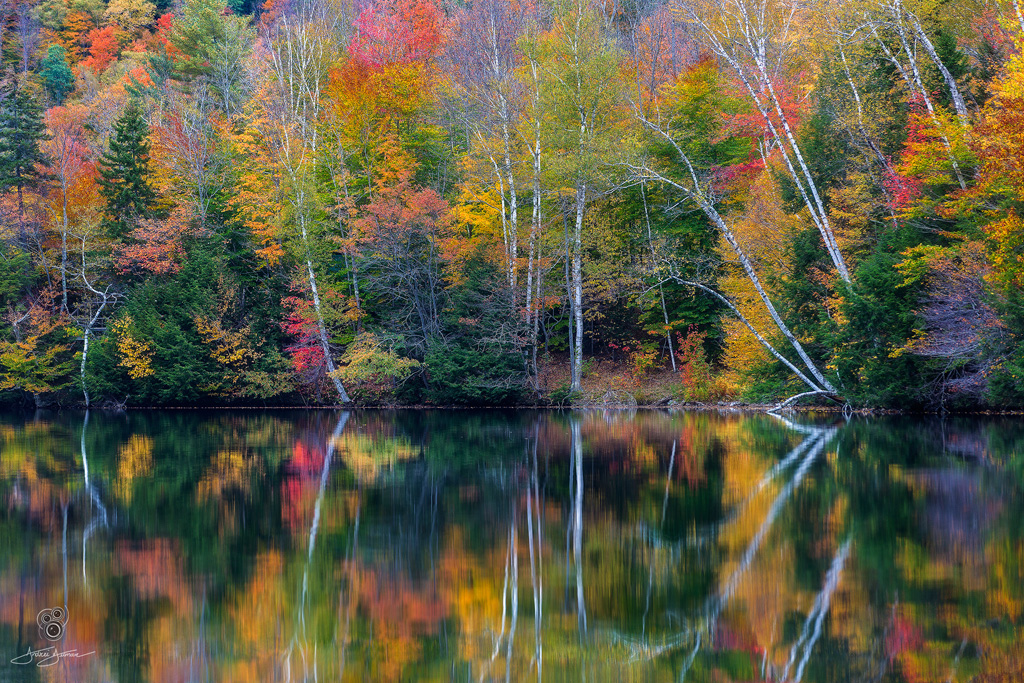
300	323
398	32
903	191
903	636
694	368
103	49
752	122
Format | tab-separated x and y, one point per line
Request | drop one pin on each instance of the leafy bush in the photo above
372	370
458	375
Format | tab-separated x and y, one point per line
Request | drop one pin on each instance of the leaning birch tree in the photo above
755	39
301	46
693	184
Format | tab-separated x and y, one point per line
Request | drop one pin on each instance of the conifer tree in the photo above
124	175
21	158
56	74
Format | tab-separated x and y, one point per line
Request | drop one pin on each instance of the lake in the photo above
519	545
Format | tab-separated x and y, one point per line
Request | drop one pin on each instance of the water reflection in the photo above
599	546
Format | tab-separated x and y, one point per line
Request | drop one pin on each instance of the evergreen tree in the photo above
21	131
124	175
56	74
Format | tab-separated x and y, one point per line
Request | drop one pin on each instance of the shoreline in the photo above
731	407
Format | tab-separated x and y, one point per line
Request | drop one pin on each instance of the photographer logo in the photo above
52	623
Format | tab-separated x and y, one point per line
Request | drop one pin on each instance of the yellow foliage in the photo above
134	459
136	355
226	347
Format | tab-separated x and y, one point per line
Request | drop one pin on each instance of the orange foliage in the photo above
103	49
155	245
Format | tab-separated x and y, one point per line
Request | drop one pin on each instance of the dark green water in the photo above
468	546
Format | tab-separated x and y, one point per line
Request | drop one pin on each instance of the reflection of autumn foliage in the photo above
155	569
400	614
299	484
134	460
230	470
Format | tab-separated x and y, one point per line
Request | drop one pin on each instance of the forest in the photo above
512	202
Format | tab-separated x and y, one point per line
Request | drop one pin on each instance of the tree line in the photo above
472	203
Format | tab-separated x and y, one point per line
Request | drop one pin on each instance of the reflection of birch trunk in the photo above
94	497
504	608
817	615
769	520
577	531
661	524
64	553
513	543
314	527
816	441
533	500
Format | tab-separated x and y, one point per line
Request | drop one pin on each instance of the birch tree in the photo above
482	63
581	98
756	39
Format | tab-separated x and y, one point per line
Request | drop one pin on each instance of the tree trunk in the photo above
577	284
923	91
661	290
64	251
954	89
577	524
325	343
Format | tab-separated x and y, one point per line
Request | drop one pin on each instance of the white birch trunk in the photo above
577	284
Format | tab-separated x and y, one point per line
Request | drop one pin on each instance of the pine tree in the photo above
21	158
56	74
124	175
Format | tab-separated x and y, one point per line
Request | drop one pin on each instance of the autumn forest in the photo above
503	202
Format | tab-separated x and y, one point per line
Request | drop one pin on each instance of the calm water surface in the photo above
475	546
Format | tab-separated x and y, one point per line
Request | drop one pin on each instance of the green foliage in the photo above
40	361
880	319
56	74
15	274
214	43
372	370
195	351
125	175
827	152
21	132
461	375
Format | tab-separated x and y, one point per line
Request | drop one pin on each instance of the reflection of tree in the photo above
867	552
299	635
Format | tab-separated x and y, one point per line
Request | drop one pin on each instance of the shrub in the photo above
694	367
